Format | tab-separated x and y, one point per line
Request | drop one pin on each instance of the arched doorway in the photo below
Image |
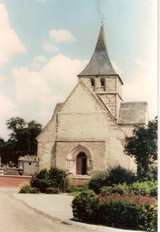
81	164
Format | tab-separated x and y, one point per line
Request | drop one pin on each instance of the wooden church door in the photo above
81	164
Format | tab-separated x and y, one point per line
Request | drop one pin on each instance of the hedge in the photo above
127	211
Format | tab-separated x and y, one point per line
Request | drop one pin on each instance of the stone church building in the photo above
87	132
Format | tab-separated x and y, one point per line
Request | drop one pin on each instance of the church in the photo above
87	131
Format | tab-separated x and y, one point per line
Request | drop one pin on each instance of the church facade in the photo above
87	132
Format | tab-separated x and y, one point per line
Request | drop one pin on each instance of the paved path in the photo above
15	216
55	205
59	206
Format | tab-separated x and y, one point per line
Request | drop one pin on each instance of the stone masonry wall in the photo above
65	149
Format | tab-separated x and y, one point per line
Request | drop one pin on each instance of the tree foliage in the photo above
22	140
142	145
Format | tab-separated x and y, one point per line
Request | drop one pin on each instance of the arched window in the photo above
81	164
102	80
92	82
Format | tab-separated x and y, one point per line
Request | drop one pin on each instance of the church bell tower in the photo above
101	78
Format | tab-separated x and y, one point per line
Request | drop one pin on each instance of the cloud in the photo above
61	35
10	43
140	62
49	47
37	92
29	85
62	70
38	61
56	76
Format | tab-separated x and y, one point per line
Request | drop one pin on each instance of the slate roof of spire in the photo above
100	63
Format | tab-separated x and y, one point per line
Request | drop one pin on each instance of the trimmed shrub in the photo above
126	211
55	178
26	188
42	181
83	206
59	179
52	190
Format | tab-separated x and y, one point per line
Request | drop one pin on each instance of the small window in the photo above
102	82
92	82
30	163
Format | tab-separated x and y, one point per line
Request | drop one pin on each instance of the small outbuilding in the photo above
28	165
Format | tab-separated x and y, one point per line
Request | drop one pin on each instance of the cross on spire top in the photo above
102	20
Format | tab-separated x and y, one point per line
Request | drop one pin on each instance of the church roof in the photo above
133	113
100	63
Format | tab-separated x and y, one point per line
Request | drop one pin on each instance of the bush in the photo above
120	188
82	206
125	211
59	179
144	188
98	180
117	175
52	190
128	211
26	188
42	181
55	178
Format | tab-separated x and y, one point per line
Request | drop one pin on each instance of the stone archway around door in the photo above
79	161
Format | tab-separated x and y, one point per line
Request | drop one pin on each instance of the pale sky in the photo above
45	44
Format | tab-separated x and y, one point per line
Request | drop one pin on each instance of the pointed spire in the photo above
100	63
101	46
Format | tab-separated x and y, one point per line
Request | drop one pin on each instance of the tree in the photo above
143	146
22	140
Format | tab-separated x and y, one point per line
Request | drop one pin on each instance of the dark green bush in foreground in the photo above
54	178
126	211
42	181
84	205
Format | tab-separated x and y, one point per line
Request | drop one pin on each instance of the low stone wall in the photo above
13	181
80	181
